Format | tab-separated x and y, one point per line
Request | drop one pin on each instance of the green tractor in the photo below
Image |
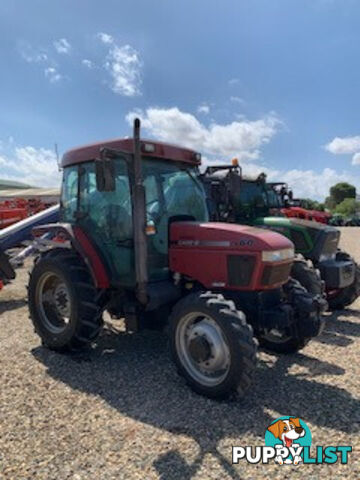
320	265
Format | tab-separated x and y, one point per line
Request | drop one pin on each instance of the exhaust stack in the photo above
139	220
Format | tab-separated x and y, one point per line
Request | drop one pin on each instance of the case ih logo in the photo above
288	442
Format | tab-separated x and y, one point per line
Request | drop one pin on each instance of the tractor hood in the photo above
286	221
312	239
229	256
226	236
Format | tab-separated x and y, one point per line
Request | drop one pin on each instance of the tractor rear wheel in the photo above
212	345
63	302
347	295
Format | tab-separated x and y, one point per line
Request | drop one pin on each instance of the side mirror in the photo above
290	194
105	174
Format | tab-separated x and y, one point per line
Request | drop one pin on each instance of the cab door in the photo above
107	218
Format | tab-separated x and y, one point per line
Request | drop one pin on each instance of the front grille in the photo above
298	239
273	274
313	232
331	243
240	269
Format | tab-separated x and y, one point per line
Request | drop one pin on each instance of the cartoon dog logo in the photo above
288	431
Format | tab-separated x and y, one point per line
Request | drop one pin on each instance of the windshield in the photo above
273	197
171	194
171	191
252	193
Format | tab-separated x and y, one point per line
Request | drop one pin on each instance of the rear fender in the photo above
65	235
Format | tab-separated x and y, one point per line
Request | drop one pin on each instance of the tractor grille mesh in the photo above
240	269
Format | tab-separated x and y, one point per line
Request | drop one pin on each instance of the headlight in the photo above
277	255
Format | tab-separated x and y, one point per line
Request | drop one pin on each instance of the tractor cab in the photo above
105	212
237	198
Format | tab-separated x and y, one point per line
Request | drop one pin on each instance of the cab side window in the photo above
69	194
107	213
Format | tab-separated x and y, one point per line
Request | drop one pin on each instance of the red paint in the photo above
193	251
303	213
9	215
332	293
100	276
162	151
16	209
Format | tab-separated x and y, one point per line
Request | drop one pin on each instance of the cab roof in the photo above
149	148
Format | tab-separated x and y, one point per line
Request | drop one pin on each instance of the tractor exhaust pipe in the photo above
139	221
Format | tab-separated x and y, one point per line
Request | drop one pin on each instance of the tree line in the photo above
342	201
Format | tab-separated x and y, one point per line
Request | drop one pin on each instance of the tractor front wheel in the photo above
307	321
212	345
62	302
309	277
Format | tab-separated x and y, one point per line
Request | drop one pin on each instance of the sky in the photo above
274	83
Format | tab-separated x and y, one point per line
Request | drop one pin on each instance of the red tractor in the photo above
293	207
134	239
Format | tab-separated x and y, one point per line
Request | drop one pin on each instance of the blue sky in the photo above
273	82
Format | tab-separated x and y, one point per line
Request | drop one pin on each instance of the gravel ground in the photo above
121	411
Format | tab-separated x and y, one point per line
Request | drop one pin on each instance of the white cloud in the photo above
87	63
62	46
346	145
311	184
35	166
304	183
343	145
105	37
242	139
237	100
124	66
52	75
204	108
30	55
356	159
43	60
233	81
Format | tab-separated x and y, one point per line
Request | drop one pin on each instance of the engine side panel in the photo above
227	256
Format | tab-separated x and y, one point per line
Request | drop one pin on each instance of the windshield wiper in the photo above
193	178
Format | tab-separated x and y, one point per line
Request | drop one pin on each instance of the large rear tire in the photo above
347	295
212	345
63	302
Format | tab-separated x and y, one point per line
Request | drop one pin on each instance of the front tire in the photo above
212	345
304	272
63	302
307	318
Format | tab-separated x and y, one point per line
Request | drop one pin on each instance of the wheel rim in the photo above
54	301
203	349
275	336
